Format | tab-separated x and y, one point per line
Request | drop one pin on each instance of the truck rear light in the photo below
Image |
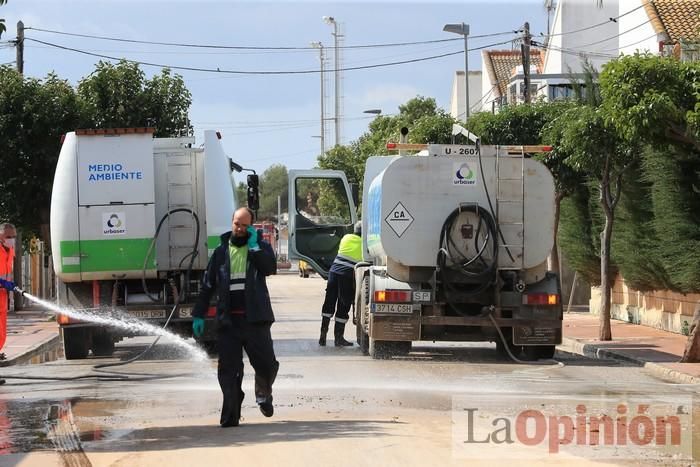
392	296
211	312
540	299
62	319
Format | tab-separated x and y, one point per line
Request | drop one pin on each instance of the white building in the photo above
457	101
582	32
667	27
499	67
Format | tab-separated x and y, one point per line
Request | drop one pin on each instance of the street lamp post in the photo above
463	30
319	46
336	52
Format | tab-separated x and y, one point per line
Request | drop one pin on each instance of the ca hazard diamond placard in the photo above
399	219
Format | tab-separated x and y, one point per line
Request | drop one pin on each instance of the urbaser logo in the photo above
113	223
464	175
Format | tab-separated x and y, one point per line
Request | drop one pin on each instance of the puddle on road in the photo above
58	425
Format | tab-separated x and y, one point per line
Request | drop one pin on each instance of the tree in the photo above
2	20
592	146
36	113
427	124
656	100
120	96
273	183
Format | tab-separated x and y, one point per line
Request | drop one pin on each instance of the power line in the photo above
240	47
614	20
260	72
597	53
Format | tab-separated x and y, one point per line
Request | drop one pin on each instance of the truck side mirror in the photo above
253	192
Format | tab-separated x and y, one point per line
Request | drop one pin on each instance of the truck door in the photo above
321	211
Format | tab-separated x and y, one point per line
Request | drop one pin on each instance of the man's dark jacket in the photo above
217	277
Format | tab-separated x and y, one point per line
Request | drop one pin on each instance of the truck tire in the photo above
363	317
501	348
535	352
382	350
102	344
75	343
547	351
362	338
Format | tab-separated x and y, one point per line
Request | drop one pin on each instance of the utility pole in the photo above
525	51
20	47
319	46
336	58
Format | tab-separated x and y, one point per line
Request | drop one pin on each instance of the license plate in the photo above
147	314
185	312
421	296
392	308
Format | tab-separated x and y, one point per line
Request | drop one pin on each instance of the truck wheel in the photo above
382	350
535	352
75	343
501	348
102	344
362	339
547	351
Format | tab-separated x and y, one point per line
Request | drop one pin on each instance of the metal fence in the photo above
36	275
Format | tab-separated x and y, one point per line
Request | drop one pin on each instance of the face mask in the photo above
9	242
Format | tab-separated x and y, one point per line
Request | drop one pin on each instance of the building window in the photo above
560	91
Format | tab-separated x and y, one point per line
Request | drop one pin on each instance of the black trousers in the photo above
340	289
256	339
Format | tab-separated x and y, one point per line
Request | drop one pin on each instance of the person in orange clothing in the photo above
7	255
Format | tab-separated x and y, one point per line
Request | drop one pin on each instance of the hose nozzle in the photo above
19	291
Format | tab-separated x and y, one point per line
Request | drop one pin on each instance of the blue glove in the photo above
9	285
198	327
253	239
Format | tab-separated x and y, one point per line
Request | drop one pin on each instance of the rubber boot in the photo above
339	339
325	322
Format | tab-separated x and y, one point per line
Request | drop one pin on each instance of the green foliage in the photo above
577	235
273	183
34	114
635	246
2	20
242	194
120	96
426	122
653	99
516	124
673	173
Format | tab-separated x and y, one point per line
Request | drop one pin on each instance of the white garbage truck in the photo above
133	221
455	246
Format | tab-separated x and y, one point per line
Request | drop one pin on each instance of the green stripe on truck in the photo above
106	255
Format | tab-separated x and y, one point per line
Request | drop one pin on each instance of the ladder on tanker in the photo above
181	192
510	206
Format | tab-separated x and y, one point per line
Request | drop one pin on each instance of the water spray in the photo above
123	322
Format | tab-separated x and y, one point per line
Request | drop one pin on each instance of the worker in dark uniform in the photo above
340	288
236	273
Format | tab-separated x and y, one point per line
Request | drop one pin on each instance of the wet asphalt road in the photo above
333	406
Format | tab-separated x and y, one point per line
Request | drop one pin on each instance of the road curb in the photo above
598	352
46	351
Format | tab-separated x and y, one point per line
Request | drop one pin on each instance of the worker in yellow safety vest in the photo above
340	288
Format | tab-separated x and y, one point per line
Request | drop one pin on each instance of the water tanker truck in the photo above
455	246
133	221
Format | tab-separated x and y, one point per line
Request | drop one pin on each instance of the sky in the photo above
270	119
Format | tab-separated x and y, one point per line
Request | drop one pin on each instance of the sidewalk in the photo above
31	338
657	351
